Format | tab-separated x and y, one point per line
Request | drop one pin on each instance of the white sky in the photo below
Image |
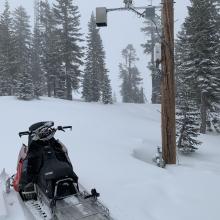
123	28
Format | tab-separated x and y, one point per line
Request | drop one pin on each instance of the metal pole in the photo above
168	114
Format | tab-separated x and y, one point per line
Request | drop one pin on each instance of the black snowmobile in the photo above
45	174
44	163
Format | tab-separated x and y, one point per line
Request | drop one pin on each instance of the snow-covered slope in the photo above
111	148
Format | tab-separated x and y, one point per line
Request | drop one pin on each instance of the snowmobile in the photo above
46	181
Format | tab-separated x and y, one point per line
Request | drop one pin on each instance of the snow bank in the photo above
112	147
3	209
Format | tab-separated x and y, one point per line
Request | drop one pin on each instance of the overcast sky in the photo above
123	28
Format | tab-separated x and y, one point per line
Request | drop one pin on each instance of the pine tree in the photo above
126	85
36	55
22	41
96	82
61	86
91	80
25	86
218	31
141	96
106	90
199	65
136	82
203	51
114	98
36	65
52	64
183	62
214	113
188	120
130	75
67	19
6	53
152	31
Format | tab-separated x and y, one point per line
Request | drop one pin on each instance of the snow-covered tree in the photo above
36	55
69	51
199	65
141	96
213	122
187	121
25	86
152	30
61	85
114	98
130	75
22	42
52	64
96	82
6	53
106	89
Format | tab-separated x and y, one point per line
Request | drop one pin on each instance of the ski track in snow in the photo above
111	148
10	204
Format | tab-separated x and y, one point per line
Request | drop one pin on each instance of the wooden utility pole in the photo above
168	84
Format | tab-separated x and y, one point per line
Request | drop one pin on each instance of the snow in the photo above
111	148
3	209
11	206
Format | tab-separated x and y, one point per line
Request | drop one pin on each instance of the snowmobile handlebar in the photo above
62	128
23	133
59	128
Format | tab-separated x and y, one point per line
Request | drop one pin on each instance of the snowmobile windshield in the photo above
41	124
43	133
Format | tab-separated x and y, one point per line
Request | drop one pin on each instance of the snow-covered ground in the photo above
111	148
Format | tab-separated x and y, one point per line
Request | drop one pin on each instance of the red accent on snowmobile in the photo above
18	176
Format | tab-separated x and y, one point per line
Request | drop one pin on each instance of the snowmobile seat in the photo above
55	171
59	152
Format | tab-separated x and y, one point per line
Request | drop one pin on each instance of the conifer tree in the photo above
36	55
199	50
22	42
188	121
214	113
130	75
52	64
91	79
152	31
141	96
6	53
106	90
61	85
36	65
96	82
67	19
136	82
114	98
126	85
25	87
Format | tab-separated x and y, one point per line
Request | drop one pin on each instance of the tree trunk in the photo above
203	113
68	87
182	130
49	88
54	88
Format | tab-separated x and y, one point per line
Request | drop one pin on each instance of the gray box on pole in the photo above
150	13
101	17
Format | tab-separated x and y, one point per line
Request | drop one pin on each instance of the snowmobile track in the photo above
38	210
